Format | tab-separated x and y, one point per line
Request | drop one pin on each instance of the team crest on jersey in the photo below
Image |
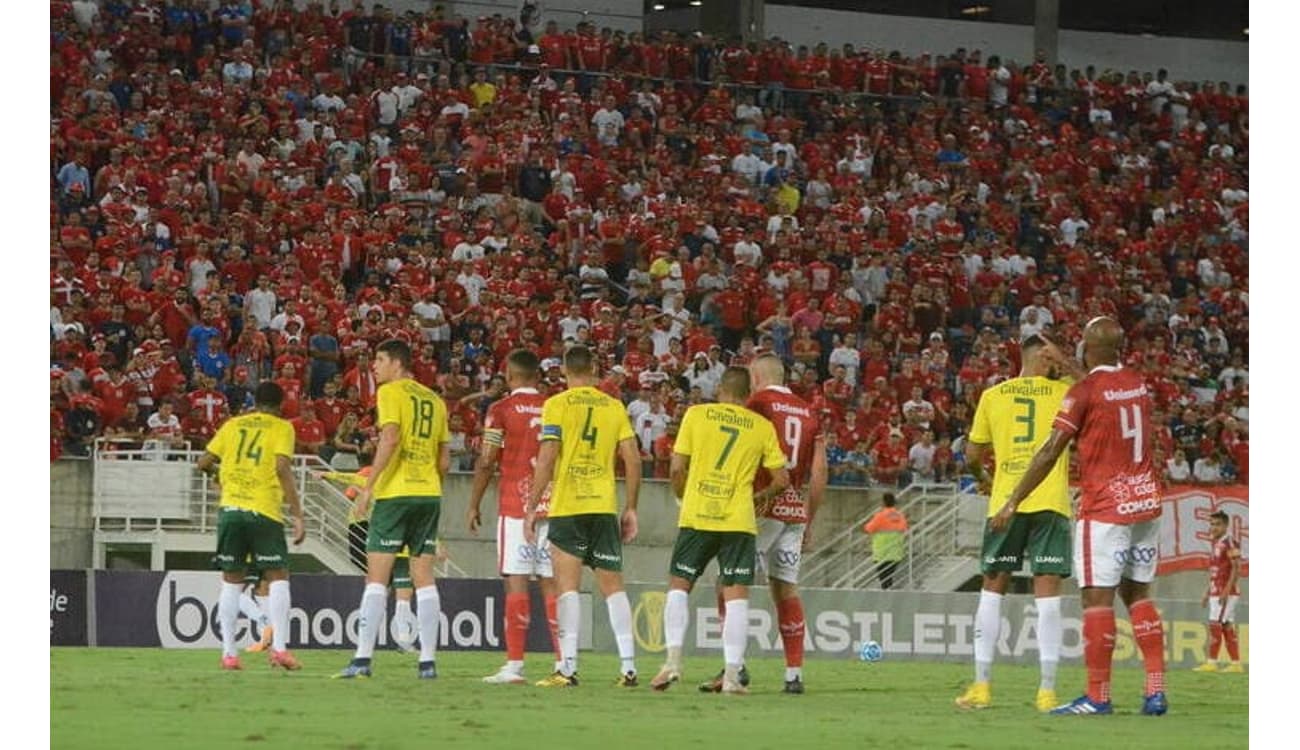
1119	490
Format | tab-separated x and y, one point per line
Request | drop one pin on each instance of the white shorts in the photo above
515	556
1106	552
1221	613
780	547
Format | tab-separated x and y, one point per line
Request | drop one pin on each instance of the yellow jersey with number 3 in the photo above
247	446
727	444
421	419
589	425
1016	416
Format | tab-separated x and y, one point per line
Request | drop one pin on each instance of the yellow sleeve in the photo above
685	434
285	439
773	456
980	432
219	442
389	403
625	431
442	430
345	477
552	414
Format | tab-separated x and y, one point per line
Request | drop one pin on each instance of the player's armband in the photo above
551	432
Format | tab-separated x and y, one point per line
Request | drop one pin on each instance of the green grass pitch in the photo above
151	698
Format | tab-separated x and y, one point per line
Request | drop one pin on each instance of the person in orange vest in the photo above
888	528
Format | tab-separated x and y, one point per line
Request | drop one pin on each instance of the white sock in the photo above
988	620
373	601
278	604
677	615
793	673
429	610
620	621
227	615
403	609
1049	640
735	632
568	613
248	608
515	667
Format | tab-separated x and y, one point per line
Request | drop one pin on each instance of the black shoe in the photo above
428	670
794	687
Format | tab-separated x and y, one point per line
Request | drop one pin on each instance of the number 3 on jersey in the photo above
1130	428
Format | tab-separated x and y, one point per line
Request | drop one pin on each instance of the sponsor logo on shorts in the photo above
225	558
266	558
685	568
1137	554
390	542
606	557
787	557
737	571
1138	506
1004	559
1050	559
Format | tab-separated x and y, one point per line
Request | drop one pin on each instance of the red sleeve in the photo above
1073	409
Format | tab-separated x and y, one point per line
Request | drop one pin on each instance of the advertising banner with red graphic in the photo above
1185	526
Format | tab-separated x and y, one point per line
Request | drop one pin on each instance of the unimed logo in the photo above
186	617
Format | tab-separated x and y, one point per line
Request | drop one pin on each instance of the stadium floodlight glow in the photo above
696	3
657	6
975	10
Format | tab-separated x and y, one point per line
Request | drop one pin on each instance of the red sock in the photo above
517	615
1098	648
1150	636
1216	637
789	615
553	624
1230	638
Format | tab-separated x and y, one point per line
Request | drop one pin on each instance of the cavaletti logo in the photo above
648	621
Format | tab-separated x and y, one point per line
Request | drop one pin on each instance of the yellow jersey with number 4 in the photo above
247	446
589	425
727	444
1016	417
421	419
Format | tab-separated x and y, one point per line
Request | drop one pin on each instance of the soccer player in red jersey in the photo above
510	439
1116	541
785	525
1221	596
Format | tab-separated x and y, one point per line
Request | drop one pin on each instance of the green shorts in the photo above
249	541
595	538
398	522
252	574
1042	537
401	573
736	552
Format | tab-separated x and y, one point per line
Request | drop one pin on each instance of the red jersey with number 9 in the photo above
797	431
1109	414
514	424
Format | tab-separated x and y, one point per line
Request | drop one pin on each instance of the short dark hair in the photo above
1219	515
268	395
735	381
578	360
396	349
525	361
1031	342
888	500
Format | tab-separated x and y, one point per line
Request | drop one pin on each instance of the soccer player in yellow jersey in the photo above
254	452
405	483
718	451
583	431
1014	418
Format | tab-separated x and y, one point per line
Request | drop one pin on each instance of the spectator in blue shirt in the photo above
837	461
200	333
212	361
324	351
233	18
74	173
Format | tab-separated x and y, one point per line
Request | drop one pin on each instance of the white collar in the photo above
528	391
1106	368
779	389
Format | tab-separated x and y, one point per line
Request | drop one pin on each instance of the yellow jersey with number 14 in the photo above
421	419
247	446
727	444
1016	417
589	425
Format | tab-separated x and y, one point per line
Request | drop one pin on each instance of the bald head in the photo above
1102	339
767	370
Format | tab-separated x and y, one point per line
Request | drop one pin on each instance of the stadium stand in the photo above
237	197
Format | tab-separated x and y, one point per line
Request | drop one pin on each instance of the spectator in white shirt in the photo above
1177	469
1207	470
920	458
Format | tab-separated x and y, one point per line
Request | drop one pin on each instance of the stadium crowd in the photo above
261	192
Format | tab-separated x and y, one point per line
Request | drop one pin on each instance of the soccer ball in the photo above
871	651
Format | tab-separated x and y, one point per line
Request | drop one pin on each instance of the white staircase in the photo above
154	496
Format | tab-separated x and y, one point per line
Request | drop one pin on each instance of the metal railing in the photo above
153	489
933	514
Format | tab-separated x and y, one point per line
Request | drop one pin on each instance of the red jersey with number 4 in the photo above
514	425
1109	414
1221	556
797	430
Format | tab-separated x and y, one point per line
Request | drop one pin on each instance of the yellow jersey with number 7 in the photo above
1016	416
727	444
247	446
589	425
421	419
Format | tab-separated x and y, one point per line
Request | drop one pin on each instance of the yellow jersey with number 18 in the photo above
247	446
421	419
589	425
1016	417
727	444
